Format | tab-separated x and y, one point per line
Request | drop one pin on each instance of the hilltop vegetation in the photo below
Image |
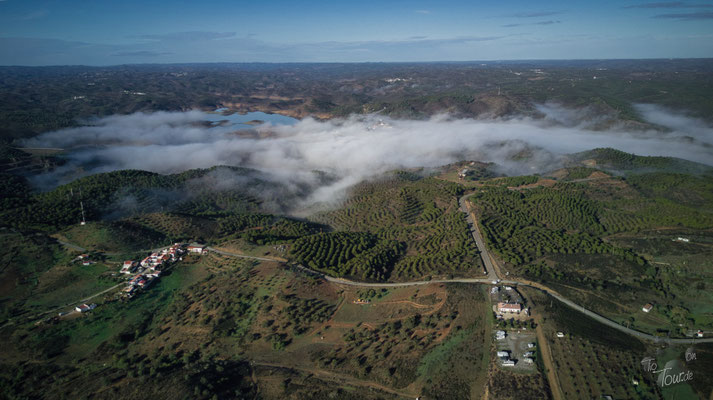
263	229
516	180
523	225
218	327
619	162
609	238
348	254
121	193
420	213
114	236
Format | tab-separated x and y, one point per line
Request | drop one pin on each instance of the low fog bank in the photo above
360	147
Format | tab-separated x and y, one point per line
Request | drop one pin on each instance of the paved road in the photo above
492	276
608	322
491	273
554	294
475	231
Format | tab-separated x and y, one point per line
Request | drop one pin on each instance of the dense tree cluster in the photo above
512	181
266	228
619	161
118	193
575	173
360	255
664	199
524	226
303	312
448	248
420	212
568	218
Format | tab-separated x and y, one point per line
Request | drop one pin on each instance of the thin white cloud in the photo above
670	4
691	16
534	14
37	14
190	36
549	22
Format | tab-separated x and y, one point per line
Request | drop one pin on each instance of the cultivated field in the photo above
420	213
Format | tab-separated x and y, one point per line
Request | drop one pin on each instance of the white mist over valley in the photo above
361	147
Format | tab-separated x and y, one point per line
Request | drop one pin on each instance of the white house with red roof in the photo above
85	307
196	249
509	307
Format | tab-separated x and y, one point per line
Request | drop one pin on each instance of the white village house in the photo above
196	249
509	307
85	307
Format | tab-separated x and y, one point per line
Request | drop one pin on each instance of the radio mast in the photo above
84	222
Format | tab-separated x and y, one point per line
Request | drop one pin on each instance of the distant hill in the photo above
42	99
123	193
617	161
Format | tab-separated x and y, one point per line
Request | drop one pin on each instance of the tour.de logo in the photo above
673	372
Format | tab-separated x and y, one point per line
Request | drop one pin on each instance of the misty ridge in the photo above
316	162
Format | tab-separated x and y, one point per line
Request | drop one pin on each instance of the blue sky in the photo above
101	32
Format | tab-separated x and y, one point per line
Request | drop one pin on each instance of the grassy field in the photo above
114	237
39	274
178	227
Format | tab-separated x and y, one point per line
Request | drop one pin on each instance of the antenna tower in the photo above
84	222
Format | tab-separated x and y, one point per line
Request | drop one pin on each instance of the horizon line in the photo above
525	60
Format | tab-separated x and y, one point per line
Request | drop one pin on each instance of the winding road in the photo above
492	273
545	289
493	276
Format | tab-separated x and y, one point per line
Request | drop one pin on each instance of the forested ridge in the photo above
118	192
